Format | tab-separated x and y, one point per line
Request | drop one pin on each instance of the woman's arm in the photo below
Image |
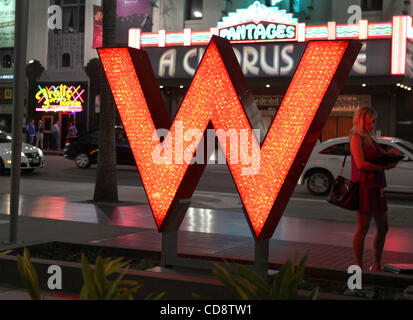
358	154
390	152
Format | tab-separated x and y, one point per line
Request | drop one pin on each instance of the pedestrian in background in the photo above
55	135
72	132
31	132
372	181
40	134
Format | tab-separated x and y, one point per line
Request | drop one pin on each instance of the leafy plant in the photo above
245	284
28	275
97	286
5	252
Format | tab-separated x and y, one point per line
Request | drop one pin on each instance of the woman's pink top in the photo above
369	179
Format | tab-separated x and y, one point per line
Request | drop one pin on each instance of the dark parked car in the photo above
84	149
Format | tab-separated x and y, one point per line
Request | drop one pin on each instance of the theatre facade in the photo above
269	43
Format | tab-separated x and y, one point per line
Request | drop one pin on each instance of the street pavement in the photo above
215	190
52	210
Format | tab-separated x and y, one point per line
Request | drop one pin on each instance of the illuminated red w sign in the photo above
215	97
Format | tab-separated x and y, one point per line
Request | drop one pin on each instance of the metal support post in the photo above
20	53
262	257
170	232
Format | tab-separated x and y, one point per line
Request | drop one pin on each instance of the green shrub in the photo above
5	252
28	275
96	283
245	284
97	286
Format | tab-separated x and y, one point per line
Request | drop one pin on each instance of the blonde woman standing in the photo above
372	181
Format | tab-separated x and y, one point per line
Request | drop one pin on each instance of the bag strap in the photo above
342	166
345	157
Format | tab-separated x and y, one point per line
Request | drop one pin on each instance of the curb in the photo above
180	285
176	286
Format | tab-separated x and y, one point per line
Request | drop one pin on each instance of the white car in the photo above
31	156
327	157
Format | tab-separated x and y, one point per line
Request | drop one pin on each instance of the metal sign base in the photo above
169	246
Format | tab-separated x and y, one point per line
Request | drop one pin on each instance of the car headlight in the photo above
22	154
40	152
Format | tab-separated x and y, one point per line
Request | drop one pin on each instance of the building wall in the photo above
89	52
382	104
171	16
404	116
339	10
37	39
171	13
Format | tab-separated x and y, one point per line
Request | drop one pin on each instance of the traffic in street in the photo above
216	190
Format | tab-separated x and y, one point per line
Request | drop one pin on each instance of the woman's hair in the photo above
359	119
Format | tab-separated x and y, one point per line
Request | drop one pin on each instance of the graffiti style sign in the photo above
60	98
218	97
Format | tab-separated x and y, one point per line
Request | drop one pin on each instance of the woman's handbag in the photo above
345	193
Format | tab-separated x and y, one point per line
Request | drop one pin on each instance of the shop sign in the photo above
351	102
266	60
7	23
268	101
6	93
60	98
343	103
266	180
258	12
259	32
6	108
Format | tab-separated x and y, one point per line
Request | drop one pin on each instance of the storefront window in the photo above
66	60
73	15
194	10
7	61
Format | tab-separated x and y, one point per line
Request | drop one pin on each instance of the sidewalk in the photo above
53	152
204	232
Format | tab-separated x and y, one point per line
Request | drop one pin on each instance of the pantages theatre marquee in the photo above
269	42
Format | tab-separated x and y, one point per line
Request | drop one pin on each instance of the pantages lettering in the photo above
260	31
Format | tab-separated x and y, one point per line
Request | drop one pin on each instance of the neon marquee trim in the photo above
255	10
214	99
382	30
399	45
